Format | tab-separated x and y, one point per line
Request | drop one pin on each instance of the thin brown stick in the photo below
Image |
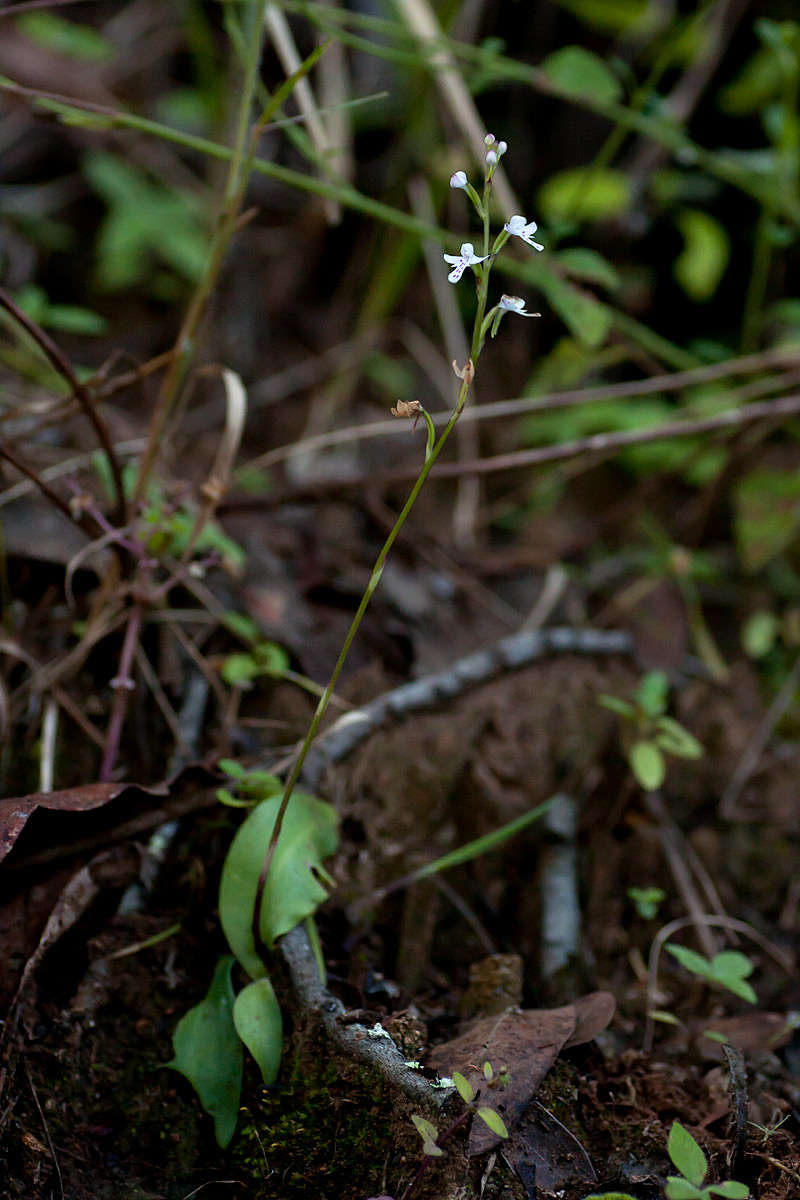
63	366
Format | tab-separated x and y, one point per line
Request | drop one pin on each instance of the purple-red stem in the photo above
122	683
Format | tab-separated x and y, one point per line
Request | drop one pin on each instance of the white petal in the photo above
452	258
468	251
457	271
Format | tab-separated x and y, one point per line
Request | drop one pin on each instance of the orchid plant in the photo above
485	322
269	888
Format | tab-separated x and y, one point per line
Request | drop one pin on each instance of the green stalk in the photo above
431	454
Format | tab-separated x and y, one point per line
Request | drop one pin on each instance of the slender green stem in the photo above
432	453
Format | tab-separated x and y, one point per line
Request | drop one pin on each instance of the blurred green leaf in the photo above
580	73
612	16
208	1052
760	633
586	194
672	738
76	41
242	625
582	263
239	669
145	222
651	694
701	264
68	318
588	319
647	764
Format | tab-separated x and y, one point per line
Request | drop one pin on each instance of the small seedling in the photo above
728	969
689	1159
246	788
432	1139
646	900
648	733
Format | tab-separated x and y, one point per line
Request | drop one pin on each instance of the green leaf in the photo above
665	1018
731	1190
208	1052
647	764
240	670
731	968
242	626
616	705
227	798
494	1121
610	1196
686	1154
674	739
760	633
691	960
582	263
714	1035
585	194
272	658
146	223
612	16
647	900
578	72
464	1088
588	319
232	768
701	264
293	890
425	1128
257	1017
76	41
682	1189
651	694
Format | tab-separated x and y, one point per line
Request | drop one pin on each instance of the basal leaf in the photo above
293	890
257	1018
208	1052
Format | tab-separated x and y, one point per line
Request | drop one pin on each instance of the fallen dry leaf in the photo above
15	812
527	1042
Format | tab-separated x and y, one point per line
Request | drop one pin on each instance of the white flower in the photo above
467	258
458	179
491	157
501	148
516	305
517	227
489	139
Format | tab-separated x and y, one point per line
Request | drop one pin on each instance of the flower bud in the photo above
458	179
